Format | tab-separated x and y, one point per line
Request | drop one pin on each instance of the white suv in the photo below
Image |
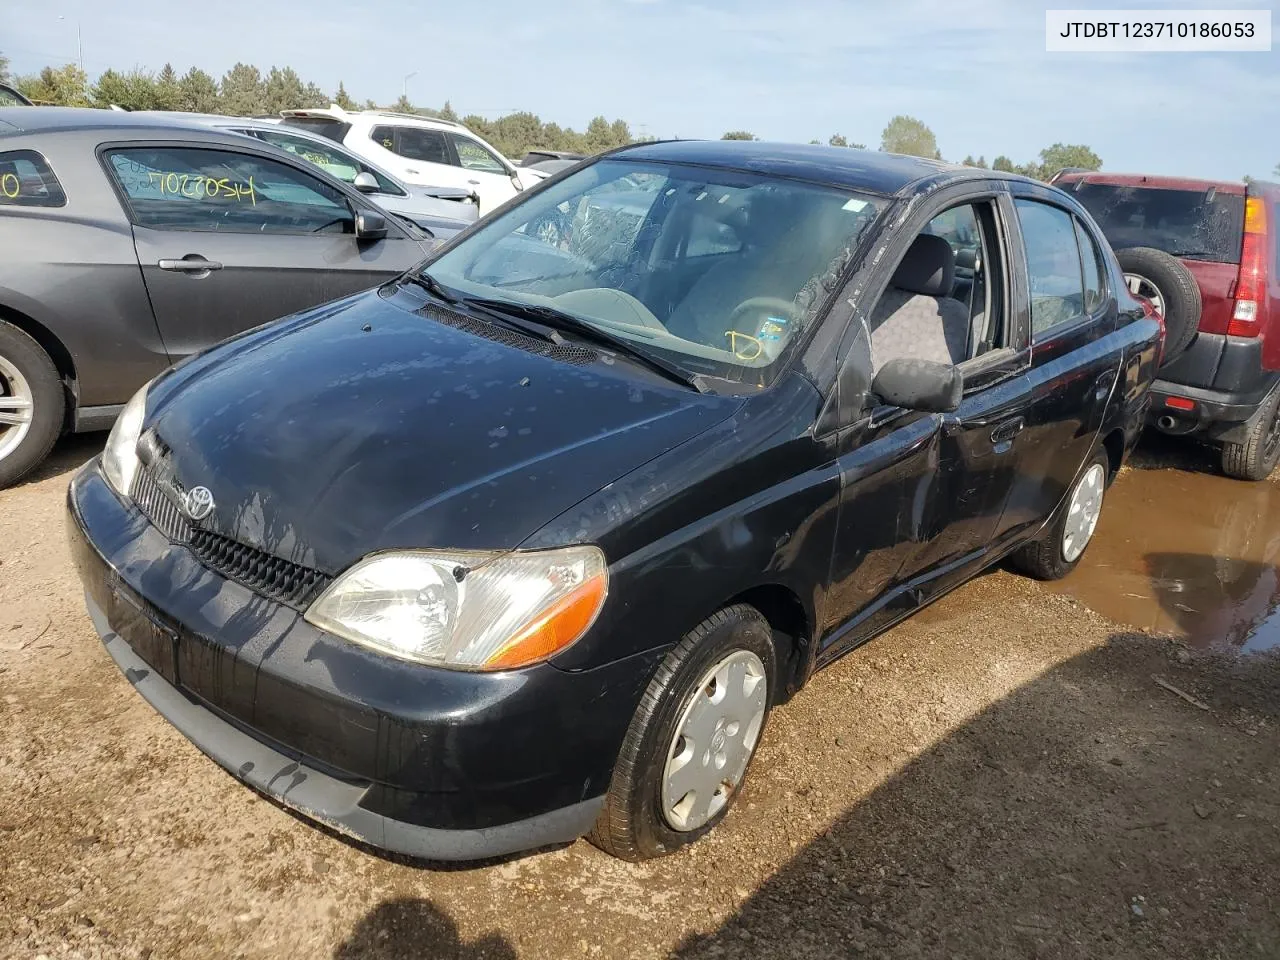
419	150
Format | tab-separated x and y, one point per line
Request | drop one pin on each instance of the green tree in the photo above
1060	155
59	86
370	105
403	105
313	96
4	69
135	90
910	136
980	163
448	113
198	92
739	135
242	91
283	91
1003	164
343	99
168	93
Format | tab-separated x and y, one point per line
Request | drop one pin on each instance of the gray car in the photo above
131	242
440	211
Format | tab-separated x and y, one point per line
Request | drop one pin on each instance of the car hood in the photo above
367	425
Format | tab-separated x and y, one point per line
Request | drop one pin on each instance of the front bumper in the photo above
432	763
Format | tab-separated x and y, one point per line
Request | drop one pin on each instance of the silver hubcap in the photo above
1082	515
714	740
16	408
1143	287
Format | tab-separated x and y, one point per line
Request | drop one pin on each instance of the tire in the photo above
1256	457
29	387
1149	270
634	823
1052	555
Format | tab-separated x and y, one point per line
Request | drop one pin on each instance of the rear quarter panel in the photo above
73	270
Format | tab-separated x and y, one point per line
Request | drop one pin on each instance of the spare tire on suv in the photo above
1169	286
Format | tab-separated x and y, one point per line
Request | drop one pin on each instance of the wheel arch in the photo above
792	626
56	350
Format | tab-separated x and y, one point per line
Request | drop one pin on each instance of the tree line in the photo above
913	137
245	91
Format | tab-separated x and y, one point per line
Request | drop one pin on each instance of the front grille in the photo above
160	507
274	577
266	574
564	352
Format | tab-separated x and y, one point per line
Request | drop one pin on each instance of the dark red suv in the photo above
1206	254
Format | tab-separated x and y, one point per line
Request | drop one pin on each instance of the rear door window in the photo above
181	188
1091	259
27	181
1053	265
414	143
337	163
1193	224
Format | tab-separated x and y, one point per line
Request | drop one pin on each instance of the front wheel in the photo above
692	738
1060	547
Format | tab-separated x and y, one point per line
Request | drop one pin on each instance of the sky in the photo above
976	71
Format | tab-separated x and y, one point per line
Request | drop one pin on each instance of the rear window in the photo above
335	130
27	181
1195	224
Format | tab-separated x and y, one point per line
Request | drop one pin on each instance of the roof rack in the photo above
414	116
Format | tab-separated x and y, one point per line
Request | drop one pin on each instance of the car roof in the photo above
335	112
55	119
1149	180
868	170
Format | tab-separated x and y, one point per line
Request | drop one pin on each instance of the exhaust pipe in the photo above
1167	423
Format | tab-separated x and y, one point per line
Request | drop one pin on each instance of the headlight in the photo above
120	458
474	611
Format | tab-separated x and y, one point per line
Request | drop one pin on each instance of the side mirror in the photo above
370	225
365	182
919	385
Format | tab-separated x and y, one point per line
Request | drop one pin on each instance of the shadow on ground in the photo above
414	929
1091	813
67	455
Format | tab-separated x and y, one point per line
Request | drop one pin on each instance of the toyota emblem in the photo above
199	502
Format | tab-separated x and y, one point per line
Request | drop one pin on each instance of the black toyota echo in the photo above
525	544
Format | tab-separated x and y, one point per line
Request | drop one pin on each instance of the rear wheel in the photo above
1256	457
32	404
1163	280
1060	547
692	738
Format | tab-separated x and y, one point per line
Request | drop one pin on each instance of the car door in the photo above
1074	368
923	494
483	170
419	155
229	238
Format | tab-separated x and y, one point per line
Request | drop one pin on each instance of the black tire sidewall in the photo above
745	631
48	397
1182	300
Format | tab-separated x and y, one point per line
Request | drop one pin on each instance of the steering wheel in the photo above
773	304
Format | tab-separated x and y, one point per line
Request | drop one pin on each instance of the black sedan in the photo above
526	544
131	242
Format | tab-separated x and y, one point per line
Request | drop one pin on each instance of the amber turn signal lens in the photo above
554	630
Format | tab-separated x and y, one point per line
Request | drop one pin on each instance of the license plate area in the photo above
149	639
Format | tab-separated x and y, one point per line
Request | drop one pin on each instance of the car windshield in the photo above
713	270
1195	224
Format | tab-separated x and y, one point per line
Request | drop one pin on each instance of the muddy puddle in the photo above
1186	554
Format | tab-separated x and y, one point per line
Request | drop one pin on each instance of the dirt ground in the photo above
1001	777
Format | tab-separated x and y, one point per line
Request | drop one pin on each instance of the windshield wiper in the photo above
432	286
560	320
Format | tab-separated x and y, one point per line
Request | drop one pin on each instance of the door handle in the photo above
474	183
1006	431
191	263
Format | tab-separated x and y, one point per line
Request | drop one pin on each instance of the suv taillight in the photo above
1251	288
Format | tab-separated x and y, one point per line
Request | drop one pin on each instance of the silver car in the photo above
441	211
